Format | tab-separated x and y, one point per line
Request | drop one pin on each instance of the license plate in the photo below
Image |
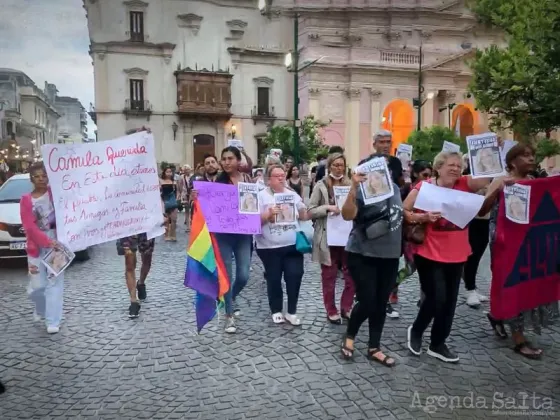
18	245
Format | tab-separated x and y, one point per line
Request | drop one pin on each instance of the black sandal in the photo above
384	362
346	352
335	321
498	327
527	345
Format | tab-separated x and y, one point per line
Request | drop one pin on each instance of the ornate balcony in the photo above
137	108
204	93
263	114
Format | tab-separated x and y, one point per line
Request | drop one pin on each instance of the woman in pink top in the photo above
440	259
39	222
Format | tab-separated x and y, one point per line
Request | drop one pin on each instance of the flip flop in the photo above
384	362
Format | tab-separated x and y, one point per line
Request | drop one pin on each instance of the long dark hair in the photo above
417	167
164	170
289	174
223	177
36	167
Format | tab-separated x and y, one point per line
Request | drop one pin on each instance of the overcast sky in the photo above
48	40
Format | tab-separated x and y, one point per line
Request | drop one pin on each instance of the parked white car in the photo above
13	243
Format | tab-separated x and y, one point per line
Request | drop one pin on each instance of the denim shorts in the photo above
136	243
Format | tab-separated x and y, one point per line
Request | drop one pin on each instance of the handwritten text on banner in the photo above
104	191
220	206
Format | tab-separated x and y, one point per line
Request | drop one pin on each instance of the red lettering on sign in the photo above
65	163
121	153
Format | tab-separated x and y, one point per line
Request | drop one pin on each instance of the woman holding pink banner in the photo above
520	163
39	221
234	245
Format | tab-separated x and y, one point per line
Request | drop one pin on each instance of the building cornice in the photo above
37	98
100	49
255	55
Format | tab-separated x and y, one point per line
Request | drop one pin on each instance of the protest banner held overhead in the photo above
287	204
526	257
220	206
484	156
236	143
248	198
451	147
378	185
104	191
517	199
404	154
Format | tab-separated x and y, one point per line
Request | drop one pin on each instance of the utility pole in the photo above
296	91
420	90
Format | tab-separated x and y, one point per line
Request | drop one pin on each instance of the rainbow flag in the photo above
205	273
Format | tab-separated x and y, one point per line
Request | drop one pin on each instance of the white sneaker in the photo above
293	319
231	328
53	330
278	318
37	317
481	297
472	299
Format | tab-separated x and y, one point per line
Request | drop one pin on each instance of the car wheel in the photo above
82	256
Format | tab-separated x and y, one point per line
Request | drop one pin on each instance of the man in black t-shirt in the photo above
382	142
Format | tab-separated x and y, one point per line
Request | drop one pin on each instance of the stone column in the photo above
314	105
428	112
375	113
220	141
352	133
188	143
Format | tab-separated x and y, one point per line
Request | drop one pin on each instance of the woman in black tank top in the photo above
294	181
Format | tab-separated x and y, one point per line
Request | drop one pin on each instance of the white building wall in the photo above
206	47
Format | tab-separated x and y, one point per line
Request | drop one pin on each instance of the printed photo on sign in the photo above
287	215
484	156
236	143
404	154
451	147
248	198
340	194
378	185
517	198
57	260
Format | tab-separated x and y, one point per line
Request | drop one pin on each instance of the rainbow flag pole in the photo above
205	272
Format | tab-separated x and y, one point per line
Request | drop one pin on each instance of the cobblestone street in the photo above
104	366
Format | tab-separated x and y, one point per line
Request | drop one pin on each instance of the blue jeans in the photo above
46	292
233	245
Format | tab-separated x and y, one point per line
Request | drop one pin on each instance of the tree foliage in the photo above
311	142
546	148
518	83
427	143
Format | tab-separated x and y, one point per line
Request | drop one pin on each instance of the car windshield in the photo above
13	189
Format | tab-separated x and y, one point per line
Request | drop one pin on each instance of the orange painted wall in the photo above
401	123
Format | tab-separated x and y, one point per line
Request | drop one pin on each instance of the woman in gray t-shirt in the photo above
374	248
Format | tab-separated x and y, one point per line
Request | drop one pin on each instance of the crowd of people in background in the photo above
381	251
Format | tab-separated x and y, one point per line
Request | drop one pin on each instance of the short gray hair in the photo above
380	134
442	157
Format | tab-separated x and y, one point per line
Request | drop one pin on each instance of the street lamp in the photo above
292	64
417	102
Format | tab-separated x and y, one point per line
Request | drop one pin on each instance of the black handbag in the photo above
375	223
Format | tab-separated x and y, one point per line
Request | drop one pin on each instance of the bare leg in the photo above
145	268
130	266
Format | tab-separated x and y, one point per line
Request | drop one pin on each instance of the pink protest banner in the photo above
220	207
104	191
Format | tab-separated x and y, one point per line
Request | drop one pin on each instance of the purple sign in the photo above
220	206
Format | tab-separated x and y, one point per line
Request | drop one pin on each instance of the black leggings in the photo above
479	232
374	279
440	283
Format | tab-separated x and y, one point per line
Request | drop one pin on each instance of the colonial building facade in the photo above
200	72
72	125
28	117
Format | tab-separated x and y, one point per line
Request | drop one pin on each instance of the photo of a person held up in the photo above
287	214
376	184
486	161
517	208
248	203
57	260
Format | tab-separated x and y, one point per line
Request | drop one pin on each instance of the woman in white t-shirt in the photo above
276	247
